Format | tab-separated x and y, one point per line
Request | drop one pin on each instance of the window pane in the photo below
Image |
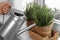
21	4
53	3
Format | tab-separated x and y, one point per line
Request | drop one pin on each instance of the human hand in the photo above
4	7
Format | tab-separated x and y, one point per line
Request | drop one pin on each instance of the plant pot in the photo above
36	36
29	22
54	35
43	31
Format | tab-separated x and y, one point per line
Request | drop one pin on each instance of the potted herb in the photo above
30	9
43	18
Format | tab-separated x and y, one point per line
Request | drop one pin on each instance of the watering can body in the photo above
11	27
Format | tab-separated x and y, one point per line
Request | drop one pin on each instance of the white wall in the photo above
40	2
53	3
20	4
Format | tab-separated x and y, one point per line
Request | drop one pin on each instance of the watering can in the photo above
11	27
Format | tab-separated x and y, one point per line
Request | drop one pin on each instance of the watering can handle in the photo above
3	18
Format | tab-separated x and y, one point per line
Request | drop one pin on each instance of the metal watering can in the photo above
11	27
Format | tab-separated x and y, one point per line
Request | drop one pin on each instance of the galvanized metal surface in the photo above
10	28
57	24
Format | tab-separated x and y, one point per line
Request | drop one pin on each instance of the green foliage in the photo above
43	16
30	9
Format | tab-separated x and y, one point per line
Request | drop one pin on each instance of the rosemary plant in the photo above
43	16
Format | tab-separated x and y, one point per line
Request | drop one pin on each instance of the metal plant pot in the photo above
57	23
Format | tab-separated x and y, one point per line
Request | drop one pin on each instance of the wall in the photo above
21	4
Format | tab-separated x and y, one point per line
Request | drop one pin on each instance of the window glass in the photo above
53	3
21	4
25	2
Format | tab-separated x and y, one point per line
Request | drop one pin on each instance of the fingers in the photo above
5	11
1	5
6	8
0	11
